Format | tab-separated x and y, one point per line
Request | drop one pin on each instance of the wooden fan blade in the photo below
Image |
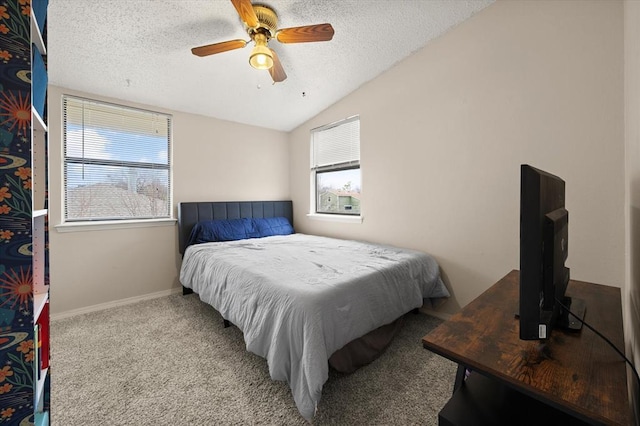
276	71
211	49
319	32
246	12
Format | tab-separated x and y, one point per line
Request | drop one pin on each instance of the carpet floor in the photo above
169	361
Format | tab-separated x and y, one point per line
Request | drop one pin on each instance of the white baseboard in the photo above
130	300
441	315
115	303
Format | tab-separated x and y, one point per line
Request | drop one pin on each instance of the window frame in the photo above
106	222
315	170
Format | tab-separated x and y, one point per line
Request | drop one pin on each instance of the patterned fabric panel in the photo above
18	352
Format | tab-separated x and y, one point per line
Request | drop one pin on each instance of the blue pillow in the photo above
268	226
222	230
239	229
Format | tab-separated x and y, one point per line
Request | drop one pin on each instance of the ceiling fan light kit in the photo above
261	57
261	24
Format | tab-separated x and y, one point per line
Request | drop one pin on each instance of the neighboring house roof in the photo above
341	193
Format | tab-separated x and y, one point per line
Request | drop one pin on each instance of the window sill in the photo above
335	218
113	224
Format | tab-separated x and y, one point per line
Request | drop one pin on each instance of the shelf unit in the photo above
25	382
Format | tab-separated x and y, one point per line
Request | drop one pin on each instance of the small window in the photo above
335	168
117	162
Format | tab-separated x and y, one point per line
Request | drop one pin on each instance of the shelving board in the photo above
38	123
39	300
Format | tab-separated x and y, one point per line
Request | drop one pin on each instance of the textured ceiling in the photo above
140	51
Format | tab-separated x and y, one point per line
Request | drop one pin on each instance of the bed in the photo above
301	301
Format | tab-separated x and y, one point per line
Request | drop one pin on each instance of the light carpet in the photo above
169	361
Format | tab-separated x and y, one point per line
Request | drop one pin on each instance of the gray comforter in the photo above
299	298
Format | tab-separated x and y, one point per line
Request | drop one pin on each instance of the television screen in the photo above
544	249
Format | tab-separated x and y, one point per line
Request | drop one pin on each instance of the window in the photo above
117	162
335	168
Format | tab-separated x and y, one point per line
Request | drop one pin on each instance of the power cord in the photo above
603	337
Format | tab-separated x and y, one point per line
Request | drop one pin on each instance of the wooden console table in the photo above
572	378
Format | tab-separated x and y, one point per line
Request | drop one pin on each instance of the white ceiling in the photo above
140	51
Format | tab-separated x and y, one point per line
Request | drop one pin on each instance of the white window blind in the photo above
117	162
336	145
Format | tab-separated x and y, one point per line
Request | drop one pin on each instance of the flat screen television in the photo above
544	224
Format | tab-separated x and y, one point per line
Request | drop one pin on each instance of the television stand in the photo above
568	322
575	377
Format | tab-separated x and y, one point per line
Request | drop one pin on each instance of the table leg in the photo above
460	376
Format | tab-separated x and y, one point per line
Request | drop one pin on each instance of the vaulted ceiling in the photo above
140	51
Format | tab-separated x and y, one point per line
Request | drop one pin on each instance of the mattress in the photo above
298	298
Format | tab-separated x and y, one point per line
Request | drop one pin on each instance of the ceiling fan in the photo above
261	23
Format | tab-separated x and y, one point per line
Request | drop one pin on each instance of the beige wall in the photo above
632	142
213	160
444	132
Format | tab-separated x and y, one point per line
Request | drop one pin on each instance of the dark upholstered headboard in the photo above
190	213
